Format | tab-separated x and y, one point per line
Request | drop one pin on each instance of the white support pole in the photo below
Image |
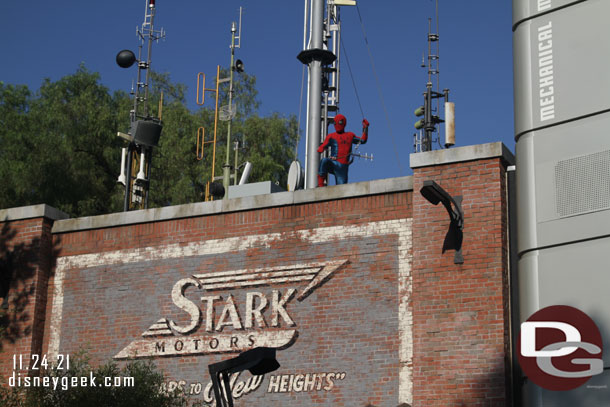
314	96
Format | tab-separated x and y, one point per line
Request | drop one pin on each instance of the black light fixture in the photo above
125	58
453	239
238	66
258	361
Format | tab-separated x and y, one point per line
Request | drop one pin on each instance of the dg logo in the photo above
560	348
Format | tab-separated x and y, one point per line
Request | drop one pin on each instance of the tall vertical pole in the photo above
226	169
430	126
235	166
127	198
314	96
151	35
215	121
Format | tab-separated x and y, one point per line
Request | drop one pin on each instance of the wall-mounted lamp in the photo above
258	361
453	239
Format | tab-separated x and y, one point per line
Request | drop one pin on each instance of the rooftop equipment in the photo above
224	113
145	130
430	114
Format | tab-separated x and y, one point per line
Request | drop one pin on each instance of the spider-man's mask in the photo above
340	122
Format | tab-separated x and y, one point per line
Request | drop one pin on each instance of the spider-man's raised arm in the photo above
365	133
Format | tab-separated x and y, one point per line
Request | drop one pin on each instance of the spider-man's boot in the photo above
322	180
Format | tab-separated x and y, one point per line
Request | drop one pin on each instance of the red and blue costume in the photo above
340	144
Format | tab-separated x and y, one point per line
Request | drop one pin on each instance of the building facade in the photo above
349	282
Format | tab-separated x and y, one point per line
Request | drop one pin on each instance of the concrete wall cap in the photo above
32	211
460	154
277	199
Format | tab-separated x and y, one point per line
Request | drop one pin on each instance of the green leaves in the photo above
59	146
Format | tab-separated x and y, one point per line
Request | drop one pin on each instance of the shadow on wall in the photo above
18	265
594	393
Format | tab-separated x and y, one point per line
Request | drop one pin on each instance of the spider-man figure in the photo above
340	150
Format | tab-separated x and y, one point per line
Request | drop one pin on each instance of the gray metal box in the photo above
255	188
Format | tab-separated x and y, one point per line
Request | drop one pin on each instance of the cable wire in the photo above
387	116
351	75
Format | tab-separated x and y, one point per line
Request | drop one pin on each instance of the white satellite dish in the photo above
227	113
296	176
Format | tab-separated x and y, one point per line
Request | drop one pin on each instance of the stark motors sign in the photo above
263	321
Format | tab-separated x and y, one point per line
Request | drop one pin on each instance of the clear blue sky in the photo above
41	39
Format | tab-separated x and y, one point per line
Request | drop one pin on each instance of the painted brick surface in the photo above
356	292
348	338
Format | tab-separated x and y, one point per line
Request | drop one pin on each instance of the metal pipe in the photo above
136	98
513	285
226	169
337	49
315	92
215	121
128	179
305	24
148	171
148	58
236	161
246	173
325	117
429	125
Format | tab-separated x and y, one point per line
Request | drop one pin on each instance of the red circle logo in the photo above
560	348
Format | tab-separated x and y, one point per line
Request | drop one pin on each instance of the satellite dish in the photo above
227	112
296	177
125	58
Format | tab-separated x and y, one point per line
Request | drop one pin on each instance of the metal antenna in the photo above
238	36
224	113
147	34
431	116
145	130
226	168
331	73
321	52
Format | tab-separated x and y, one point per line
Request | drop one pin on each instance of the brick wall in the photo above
341	340
26	258
460	311
348	281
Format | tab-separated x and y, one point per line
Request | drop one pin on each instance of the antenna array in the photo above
423	140
321	53
145	130
224	113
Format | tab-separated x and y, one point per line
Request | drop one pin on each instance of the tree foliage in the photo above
58	146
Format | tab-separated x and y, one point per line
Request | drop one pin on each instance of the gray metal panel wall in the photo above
561	64
562	128
527	9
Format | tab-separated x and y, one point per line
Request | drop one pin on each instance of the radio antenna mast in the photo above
234	66
431	114
145	130
321	53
